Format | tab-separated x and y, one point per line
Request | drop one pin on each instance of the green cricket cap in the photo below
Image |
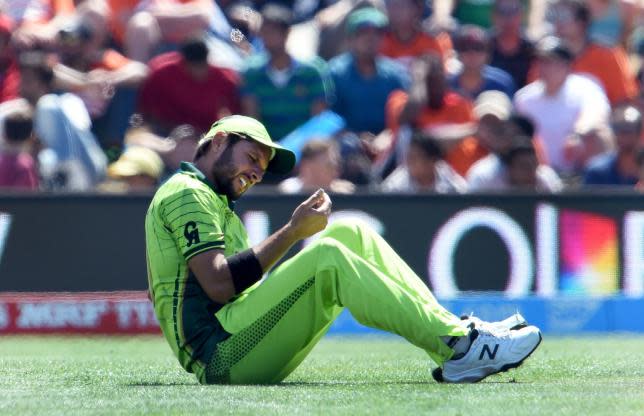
282	160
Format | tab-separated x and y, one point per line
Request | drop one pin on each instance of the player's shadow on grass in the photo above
384	383
330	383
161	384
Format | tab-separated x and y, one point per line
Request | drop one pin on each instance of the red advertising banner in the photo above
104	313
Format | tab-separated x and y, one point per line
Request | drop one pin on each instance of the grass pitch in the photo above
580	376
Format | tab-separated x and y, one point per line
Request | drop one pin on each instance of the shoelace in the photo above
488	331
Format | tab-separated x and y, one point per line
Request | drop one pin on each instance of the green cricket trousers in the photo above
350	266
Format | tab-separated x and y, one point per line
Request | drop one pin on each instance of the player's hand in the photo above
312	215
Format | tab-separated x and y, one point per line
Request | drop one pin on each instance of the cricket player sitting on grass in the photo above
226	326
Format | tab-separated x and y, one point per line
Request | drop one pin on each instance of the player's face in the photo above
240	166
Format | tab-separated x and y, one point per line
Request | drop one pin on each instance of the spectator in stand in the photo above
17	166
512	144
473	48
183	88
179	146
511	51
468	12
639	186
424	170
524	172
612	21
639	100
587	142
319	167
138	169
9	73
279	90
432	105
247	21
493	110
333	37
405	38
183	140
609	67
620	166
72	159
363	78
37	21
144	26
559	100
105	80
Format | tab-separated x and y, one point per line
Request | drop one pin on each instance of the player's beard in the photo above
223	173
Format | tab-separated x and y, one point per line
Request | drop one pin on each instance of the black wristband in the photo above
245	270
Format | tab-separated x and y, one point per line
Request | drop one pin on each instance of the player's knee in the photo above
343	230
329	247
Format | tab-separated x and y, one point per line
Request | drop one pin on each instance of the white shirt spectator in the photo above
489	174
447	181
555	116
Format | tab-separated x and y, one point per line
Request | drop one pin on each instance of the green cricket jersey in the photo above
187	217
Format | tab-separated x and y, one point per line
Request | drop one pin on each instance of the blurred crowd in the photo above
447	96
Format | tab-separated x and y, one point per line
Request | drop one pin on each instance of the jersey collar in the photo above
187	167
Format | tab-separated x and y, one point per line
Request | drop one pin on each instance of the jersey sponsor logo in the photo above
191	232
490	353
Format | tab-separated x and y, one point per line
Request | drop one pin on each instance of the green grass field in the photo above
582	376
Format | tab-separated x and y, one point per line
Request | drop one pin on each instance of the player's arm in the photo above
223	277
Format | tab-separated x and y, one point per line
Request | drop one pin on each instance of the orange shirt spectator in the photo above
404	52
122	10
455	110
611	68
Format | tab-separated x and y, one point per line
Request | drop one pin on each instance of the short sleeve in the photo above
195	220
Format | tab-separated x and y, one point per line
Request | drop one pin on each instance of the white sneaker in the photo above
512	322
491	351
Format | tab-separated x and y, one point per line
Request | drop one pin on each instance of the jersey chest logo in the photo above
191	232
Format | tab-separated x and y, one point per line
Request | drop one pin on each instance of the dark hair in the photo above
427	143
18	126
37	62
277	14
521	146
76	32
523	124
471	37
580	10
203	149
194	50
553	47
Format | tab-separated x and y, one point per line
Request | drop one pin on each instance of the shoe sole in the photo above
437	373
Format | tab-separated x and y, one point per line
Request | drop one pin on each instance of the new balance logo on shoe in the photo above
490	353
